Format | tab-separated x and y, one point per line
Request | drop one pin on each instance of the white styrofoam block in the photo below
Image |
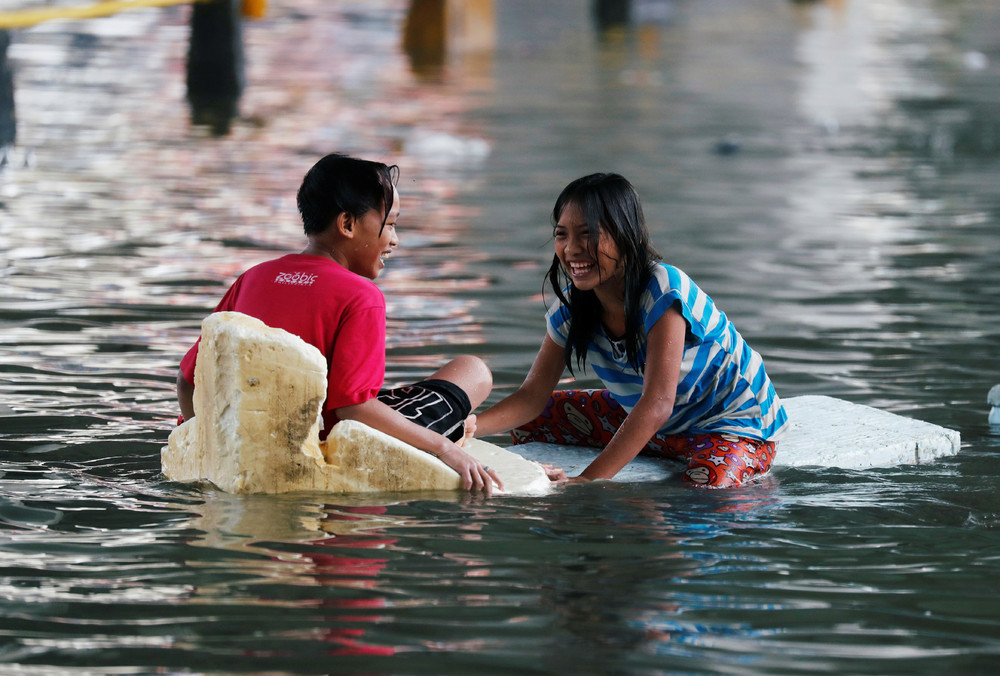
258	393
830	432
993	399
574	459
824	432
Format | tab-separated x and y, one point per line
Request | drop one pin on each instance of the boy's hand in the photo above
474	475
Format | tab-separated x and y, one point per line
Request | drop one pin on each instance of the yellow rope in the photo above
30	17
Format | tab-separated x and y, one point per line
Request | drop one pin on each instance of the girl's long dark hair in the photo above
610	204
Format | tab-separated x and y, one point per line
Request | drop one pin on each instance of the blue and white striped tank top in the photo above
723	387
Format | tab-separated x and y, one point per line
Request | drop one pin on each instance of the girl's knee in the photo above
701	476
727	464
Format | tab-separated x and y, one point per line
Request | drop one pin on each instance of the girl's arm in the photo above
664	351
528	401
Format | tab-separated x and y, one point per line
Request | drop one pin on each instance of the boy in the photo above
326	295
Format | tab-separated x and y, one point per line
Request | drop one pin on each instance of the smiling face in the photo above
373	241
590	265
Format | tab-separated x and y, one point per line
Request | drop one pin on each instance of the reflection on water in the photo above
826	170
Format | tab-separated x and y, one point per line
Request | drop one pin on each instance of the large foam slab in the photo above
258	393
828	432
824	432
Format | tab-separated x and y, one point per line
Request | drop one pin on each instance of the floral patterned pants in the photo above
591	418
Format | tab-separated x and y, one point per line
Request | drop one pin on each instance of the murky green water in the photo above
826	170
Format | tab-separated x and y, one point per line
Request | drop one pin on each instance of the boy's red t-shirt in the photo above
328	306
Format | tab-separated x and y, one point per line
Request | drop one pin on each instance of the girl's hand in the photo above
578	480
555	474
470	431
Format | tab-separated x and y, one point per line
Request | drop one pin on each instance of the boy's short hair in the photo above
340	184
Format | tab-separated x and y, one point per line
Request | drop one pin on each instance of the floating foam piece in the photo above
993	399
574	459
363	459
246	372
258	397
830	432
824	432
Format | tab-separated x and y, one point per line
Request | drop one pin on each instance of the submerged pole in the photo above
215	64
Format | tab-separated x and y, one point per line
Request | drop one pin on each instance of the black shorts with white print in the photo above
439	405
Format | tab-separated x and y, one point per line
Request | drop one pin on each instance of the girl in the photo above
681	382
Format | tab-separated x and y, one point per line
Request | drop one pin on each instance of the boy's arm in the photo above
377	415
185	396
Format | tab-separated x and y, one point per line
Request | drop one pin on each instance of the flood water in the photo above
827	171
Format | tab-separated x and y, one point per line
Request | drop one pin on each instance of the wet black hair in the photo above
340	184
609	203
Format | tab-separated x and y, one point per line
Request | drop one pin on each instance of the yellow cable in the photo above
30	17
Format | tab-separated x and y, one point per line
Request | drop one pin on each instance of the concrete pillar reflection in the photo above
215	64
424	34
610	14
8	122
438	30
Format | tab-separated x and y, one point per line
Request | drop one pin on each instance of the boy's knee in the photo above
472	375
482	379
481	372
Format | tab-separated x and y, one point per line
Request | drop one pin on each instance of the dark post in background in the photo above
8	123
215	64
